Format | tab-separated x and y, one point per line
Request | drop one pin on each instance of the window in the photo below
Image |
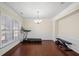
10	31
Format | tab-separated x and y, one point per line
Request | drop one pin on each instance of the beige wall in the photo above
68	29
42	30
69	26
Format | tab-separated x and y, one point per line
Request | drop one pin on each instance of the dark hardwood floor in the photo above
45	48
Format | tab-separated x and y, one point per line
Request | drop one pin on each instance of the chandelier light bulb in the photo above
37	21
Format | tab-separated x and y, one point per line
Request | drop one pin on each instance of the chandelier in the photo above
37	20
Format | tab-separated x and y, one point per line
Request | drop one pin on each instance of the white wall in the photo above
6	11
42	30
68	29
66	25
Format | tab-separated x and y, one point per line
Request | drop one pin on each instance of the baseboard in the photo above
9	47
74	41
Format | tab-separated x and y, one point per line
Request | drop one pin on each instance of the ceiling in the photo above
46	10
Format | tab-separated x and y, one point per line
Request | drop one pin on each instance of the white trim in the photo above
73	40
73	7
9	47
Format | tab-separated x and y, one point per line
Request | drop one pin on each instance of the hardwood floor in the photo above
45	48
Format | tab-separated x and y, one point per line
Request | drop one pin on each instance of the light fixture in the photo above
37	20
